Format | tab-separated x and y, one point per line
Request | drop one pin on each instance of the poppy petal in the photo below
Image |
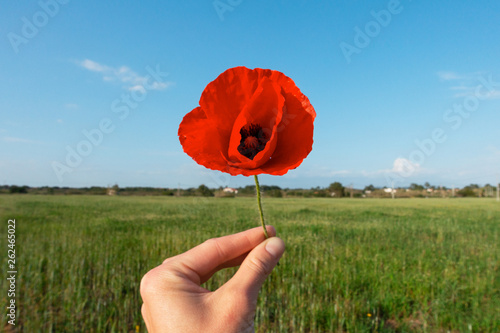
294	144
296	138
224	98
264	110
196	133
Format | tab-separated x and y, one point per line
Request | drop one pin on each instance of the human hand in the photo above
174	301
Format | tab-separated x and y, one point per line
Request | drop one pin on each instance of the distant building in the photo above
389	190
230	190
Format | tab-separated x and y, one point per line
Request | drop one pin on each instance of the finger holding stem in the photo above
257	188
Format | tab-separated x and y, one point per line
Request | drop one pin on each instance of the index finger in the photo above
202	261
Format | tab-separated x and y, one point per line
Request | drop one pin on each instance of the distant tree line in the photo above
334	190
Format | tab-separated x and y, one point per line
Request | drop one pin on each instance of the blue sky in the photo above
405	91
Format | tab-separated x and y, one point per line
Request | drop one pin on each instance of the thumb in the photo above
257	266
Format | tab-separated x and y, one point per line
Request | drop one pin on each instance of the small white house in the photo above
389	190
230	190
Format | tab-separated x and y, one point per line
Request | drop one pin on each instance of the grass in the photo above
421	265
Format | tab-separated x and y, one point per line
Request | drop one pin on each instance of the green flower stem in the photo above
257	187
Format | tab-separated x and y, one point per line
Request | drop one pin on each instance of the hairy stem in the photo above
257	188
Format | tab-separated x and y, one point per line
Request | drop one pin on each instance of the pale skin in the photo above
174	300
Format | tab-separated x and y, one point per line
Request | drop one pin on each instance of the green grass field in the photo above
414	265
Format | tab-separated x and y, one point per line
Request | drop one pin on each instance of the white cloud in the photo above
468	84
402	165
447	76
137	87
161	85
12	139
131	80
454	76
94	66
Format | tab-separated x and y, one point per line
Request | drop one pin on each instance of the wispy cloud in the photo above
401	165
12	139
94	66
455	76
447	76
324	172
467	84
129	78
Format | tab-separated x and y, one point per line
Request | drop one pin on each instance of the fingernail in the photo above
275	246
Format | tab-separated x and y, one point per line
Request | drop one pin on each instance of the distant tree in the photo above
321	193
416	187
427	185
266	188
96	190
337	188
275	193
249	189
205	191
18	189
296	192
488	190
189	192
168	192
467	191
369	188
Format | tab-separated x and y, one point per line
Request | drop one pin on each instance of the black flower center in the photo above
253	140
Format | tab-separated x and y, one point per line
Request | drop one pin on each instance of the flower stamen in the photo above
253	140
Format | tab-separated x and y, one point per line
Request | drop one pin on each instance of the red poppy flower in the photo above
249	122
